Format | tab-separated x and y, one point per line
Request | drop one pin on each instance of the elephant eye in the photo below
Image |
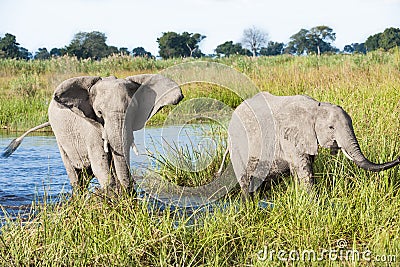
99	114
331	127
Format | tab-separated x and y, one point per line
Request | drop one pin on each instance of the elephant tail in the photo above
17	141
223	162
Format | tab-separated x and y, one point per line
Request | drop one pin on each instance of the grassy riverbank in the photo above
26	86
353	209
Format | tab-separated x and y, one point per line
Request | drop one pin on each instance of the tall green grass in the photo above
92	231
347	75
348	205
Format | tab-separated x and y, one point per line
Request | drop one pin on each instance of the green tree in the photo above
24	53
192	43
42	54
320	39
390	38
298	43
89	45
124	51
316	40
348	49
141	52
172	44
372	42
58	52
355	48
229	48
10	47
253	39
112	50
386	40
272	49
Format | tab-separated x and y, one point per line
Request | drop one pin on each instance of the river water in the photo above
36	170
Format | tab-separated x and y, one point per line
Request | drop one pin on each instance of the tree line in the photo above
254	42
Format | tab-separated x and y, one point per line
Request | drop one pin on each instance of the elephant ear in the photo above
298	129
155	91
74	94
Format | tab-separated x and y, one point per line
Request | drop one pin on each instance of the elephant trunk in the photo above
118	140
123	173
351	149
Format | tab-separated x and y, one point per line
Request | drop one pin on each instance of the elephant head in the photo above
117	107
334	130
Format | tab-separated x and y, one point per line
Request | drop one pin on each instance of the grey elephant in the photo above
93	120
273	135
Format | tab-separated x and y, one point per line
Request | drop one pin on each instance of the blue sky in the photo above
132	23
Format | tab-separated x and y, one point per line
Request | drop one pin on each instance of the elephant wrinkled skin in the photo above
93	119
272	135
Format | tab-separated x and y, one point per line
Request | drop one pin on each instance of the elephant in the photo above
272	135
93	120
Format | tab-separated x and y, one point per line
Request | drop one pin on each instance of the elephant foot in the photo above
303	172
246	196
111	195
306	183
107	192
125	190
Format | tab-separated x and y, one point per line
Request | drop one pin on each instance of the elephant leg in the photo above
302	169
71	171
84	177
247	179
244	183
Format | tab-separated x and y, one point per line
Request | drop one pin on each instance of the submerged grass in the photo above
195	163
352	208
